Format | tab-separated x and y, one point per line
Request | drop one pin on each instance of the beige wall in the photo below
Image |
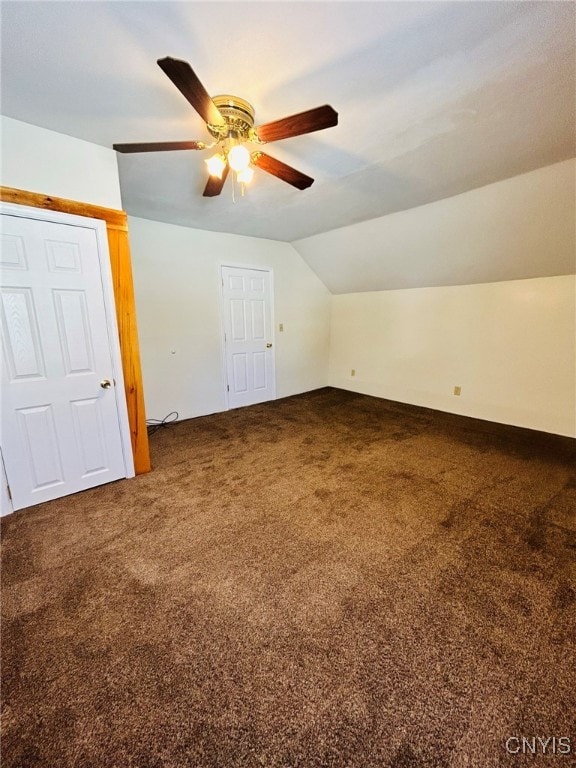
177	282
509	345
51	163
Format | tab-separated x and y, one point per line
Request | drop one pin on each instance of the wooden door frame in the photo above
121	266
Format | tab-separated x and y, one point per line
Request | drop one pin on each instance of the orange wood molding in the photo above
36	200
118	243
121	264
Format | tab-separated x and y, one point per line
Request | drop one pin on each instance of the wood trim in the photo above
129	347
117	230
111	216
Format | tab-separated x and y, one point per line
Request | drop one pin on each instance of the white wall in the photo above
177	283
43	161
509	345
517	228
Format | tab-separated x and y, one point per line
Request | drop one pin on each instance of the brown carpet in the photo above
326	580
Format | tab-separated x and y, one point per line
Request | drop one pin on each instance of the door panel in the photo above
41	446
247	307
238	320
259	370
13	252
74	331
63	257
90	436
239	373
61	429
20	334
258	320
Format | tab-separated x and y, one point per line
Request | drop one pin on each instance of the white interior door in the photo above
248	337
61	429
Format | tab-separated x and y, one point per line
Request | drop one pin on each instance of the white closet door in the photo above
60	419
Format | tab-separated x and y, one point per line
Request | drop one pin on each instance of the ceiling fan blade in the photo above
185	79
214	184
304	122
281	170
159	146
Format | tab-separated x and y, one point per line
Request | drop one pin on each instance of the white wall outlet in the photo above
457	390
353	372
281	327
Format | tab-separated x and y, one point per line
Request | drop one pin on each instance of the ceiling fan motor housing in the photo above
238	114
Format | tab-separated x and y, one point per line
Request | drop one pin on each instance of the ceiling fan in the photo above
230	120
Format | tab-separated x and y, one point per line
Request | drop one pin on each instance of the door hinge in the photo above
227	387
9	491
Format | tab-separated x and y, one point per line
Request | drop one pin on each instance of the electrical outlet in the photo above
353	372
281	327
457	390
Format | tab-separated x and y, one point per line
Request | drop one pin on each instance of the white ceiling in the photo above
434	98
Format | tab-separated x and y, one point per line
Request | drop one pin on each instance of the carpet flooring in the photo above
327	580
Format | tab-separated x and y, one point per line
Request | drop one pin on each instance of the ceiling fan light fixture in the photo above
245	176
230	120
216	165
239	158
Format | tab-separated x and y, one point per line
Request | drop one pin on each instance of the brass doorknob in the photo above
268	346
105	383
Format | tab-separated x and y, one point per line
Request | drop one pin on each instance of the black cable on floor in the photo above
153	425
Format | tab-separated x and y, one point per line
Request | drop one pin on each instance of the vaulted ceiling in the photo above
434	98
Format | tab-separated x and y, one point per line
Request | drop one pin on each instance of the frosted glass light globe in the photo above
245	176
216	165
238	158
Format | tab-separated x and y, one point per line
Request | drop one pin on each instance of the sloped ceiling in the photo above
434	98
515	229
